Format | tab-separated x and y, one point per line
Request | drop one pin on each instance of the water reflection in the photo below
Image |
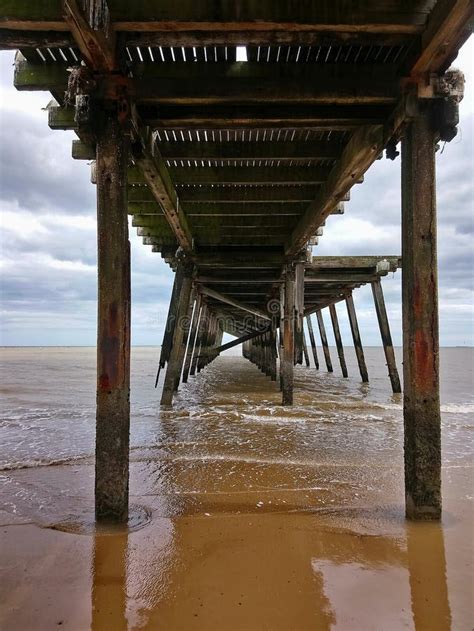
109	582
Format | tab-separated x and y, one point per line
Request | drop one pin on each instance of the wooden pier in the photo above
230	168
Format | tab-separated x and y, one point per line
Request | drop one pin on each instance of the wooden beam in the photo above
386	335
351	312
421	403
361	151
149	161
15	40
338	338
188	16
447	29
231	301
113	335
244	82
249	175
246	194
353	262
93	32
250	116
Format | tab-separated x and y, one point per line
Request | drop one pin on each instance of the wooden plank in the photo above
239	259
203	213
356	338
324	340
421	403
207	291
113	333
386	335
273	150
447	29
361	151
192	337
150	162
338	338
93	32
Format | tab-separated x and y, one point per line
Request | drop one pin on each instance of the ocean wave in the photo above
458	408
43	462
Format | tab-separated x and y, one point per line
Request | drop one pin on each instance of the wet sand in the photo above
245	516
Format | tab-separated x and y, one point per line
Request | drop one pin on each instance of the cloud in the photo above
48	246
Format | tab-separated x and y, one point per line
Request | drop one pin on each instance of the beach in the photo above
244	515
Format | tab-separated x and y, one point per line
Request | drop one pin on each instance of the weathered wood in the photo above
192	337
113	335
238	195
312	340
287	360
356	338
445	33
250	116
305	350
175	362
241	340
324	340
249	175
231	301
188	16
202	83
421	405
186	324
386	335
15	40
299	311
90	25
337	337
155	172
199	337
170	322
231	150
353	262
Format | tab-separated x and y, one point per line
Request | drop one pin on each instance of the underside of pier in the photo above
230	132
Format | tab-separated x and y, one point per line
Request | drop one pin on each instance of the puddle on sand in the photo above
138	517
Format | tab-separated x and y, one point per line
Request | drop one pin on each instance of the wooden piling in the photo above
184	340
386	335
338	338
192	338
305	350
113	335
175	362
199	338
356	338
299	311
170	322
421	405
312	340
287	362
324	341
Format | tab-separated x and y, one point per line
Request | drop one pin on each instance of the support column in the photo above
312	340
287	362
351	312
324	340
192	338
170	322
421	406
175	362
338	338
299	312
186	324
305	350
113	333
195	363
386	335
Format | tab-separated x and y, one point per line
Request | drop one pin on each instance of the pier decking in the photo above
230	169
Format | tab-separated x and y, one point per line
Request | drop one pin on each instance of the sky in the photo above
48	234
